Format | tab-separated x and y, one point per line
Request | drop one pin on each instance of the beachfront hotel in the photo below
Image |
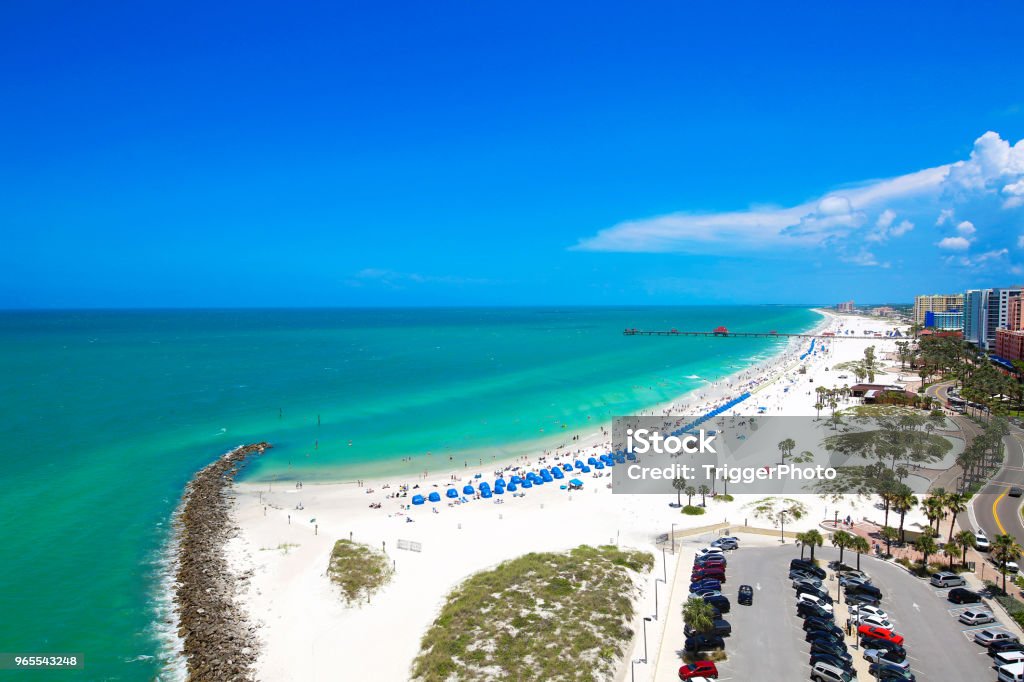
936	303
985	312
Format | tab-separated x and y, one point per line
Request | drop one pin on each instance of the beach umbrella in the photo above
579	464
467	490
417	499
557	473
567	466
484	486
517	479
500	483
526	484
591	460
434	497
546	476
585	470
498	490
452	493
511	487
485	494
598	465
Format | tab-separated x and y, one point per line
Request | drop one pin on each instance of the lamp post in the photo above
647	619
656	598
673	538
664	565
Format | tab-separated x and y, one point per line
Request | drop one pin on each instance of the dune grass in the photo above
542	616
359	570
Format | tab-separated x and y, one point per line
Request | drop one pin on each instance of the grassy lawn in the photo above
539	617
359	570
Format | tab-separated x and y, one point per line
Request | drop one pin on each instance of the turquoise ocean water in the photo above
105	416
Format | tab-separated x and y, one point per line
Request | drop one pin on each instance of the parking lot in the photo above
768	640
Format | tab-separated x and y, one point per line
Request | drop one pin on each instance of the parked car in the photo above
890	672
714	574
806	566
883	623
721	627
854	573
806	580
866	589
726	543
896	650
1003	647
856	599
710	550
961	595
827	646
882	655
814	592
705	669
825	672
818	656
703	642
876	655
875	632
815	623
865	610
947	579
704	592
1012	567
746	595
976	617
981	542
847	581
706	582
833	632
720	602
806	609
1016	492
818	601
988	637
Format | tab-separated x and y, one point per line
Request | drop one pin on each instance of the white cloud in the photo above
966	228
841	219
954	244
863	257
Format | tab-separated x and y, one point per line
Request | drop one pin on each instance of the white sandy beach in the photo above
307	632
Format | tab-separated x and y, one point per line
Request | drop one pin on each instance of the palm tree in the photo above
703	490
904	501
956	503
890	535
690	492
951	551
842	540
812	539
965	540
935	509
698	615
926	546
860	545
680	485
1004	550
786	448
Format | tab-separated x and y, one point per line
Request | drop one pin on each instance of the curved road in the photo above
993	510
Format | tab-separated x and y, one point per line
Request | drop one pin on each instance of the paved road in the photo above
993	509
768	642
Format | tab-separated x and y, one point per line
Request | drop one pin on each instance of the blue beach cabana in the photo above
467	490
585	470
486	494
434	497
526	484
418	499
452	493
498	490
567	467
557	473
598	465
591	461
511	487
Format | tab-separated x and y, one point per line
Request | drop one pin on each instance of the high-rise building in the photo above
1013	314
988	310
936	303
845	307
947	321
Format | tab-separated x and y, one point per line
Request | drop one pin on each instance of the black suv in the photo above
746	595
806	609
702	642
719	601
959	595
807	567
867	589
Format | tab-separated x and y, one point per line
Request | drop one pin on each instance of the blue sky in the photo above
223	154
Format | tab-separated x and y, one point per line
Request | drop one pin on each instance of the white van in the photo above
1008	658
1011	673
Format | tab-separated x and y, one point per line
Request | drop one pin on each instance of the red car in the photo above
711	563
719	576
874	632
698	669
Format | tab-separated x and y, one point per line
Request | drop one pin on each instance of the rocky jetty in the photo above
219	643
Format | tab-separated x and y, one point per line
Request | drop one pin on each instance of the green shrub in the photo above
358	569
692	510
